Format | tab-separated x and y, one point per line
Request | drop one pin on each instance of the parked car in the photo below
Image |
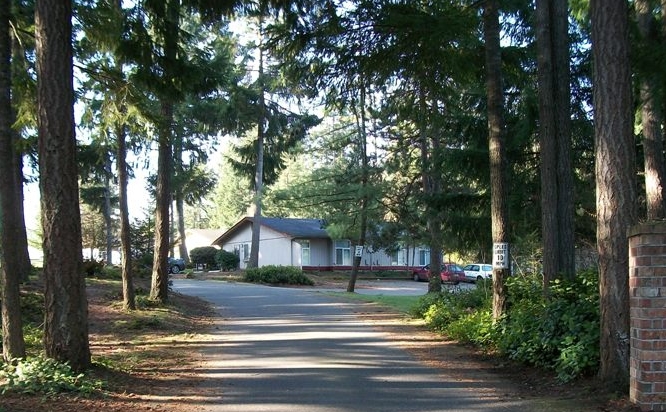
176	265
451	273
475	272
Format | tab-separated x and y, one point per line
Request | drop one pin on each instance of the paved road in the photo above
295	350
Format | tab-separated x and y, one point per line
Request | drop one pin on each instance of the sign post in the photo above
500	255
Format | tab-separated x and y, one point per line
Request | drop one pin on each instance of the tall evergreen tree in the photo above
557	205
13	344
616	182
259	146
66	314
651	112
22	89
497	147
110	115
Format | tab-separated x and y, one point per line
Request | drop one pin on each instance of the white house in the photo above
305	243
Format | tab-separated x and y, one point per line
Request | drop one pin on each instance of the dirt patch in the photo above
154	355
148	358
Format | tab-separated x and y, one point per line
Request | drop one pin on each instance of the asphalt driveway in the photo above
296	350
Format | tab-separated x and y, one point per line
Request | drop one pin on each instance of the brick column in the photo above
647	294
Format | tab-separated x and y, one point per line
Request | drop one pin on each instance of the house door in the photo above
243	252
305	252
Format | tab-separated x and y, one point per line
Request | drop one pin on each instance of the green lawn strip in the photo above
402	304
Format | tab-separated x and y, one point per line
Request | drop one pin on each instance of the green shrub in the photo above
560	332
227	260
440	310
277	275
204	256
32	307
111	272
142	266
93	267
33	336
44	375
474	327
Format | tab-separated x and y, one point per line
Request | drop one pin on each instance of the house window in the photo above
305	252
242	251
424	257
342	252
398	257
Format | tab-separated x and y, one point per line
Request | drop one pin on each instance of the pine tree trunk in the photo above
108	225
66	306
21	237
363	226
554	137
565	181
259	171
434	220
616	182
159	290
179	199
13	344
129	298
651	120
180	221
497	149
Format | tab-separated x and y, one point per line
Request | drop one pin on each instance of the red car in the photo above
451	273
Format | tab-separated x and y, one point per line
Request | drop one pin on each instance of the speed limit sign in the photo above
500	255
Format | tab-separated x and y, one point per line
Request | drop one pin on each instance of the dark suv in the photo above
176	265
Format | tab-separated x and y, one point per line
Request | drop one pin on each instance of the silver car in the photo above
475	272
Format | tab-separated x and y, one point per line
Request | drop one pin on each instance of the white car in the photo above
478	271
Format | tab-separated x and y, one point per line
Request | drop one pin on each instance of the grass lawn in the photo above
403	304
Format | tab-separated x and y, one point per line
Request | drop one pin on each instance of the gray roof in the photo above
294	228
298	228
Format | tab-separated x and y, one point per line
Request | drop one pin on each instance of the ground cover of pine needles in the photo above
143	360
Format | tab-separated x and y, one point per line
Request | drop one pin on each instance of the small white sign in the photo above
359	251
500	255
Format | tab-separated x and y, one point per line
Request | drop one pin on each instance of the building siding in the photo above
277	248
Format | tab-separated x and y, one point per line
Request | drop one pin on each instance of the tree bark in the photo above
557	209
430	182
616	182
259	171
13	344
159	290
66	306
21	237
363	226
108	222
179	198
180	221
433	220
651	120
129	298
497	148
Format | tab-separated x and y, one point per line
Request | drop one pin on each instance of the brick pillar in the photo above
647	294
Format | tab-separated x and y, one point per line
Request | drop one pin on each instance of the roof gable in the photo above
294	228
